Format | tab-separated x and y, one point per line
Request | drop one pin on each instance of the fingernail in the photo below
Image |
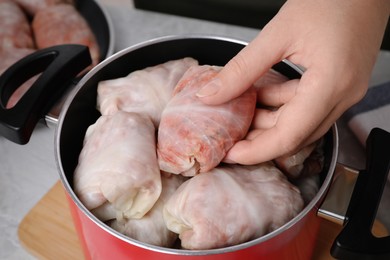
209	89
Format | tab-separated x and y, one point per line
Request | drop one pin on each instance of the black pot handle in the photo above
356	240
58	66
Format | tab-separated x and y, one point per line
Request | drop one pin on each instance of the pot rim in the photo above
111	34
313	203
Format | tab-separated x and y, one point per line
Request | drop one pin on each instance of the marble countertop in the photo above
27	172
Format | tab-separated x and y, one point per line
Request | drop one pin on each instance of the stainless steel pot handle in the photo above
58	66
356	240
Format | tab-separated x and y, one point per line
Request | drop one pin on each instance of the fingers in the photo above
242	70
266	145
298	123
269	78
265	118
275	95
272	96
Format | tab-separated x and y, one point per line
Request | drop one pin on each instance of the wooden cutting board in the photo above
47	231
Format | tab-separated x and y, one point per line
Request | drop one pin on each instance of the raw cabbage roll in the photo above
230	205
145	91
151	228
63	24
307	161
7	58
15	31
118	164
33	6
194	137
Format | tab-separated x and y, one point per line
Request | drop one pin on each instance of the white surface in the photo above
28	172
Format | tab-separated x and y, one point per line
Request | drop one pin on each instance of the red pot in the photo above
295	240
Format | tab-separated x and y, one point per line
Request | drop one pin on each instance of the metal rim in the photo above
110	25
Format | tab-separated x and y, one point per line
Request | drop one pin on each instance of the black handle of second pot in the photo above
58	66
356	240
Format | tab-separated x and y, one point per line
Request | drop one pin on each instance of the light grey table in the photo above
28	172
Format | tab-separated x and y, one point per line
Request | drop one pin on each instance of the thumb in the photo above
241	71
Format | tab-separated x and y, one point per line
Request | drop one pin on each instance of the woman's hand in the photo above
336	41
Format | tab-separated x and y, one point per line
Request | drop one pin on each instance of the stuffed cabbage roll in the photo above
118	164
8	58
151	228
33	6
145	91
15	31
194	137
63	24
307	161
230	205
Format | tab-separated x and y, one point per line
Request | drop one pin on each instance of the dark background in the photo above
248	13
